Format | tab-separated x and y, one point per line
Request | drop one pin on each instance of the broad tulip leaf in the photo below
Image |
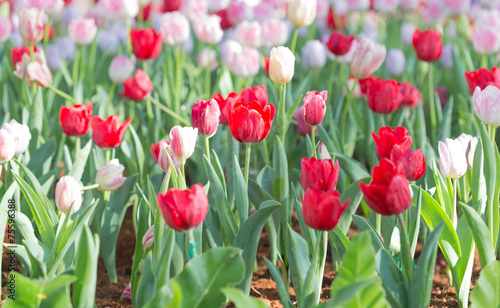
147	284
364	225
481	235
298	260
240	191
392	279
282	291
486	294
84	288
78	167
41	159
354	169
242	300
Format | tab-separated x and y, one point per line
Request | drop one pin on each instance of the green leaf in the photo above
240	191
86	261
41	159
138	152
486	294
280	165
481	235
445	129
282	291
80	161
354	169
241	299
289	113
392	279
364	225
248	238
354	194
298	260
147	285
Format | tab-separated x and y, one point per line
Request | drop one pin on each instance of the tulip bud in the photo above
250	122
174	28
315	107
108	133
31	25
447	56
148	238
75	121
487	105
208	30
395	62
8	146
322	209
486	41
412	161
146	43
120	69
367	58
302	12
228	51
389	139
384	96
302	127
319	174
313	55
137	88
67	194
183	141
281	65
82	30
323	152
339	44
110	176
205	117
452	159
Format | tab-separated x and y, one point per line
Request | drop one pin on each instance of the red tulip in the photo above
146	43
319	174
428	45
205	116
257	93
411	96
389	191
16	54
335	21
363	84
389	139
339	43
172	5
75	121
183	209
232	98
383	96
225	21
108	133
412	161
315	107
250	122
146	12
483	78
156	148
322	209
266	66
301	126
138	87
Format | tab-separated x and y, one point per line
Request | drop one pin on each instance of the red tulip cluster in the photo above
321	206
389	192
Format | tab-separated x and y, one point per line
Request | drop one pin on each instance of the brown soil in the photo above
263	286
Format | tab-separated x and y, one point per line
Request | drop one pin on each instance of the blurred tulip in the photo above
21	133
67	48
433	13
250	123
322	209
246	63
137	88
487	105
358	5
120	69
194	9
165	155
82	31
335	21
265	65
257	93
413	162
367	58
411	96
174	28
464	140
407	30
5	29
35	71
315	107
482	78
110	176
146	43
54	7
75	121
205	117
232	98
53	57
183	209
107	41
302	12
319	174
428	45
281	65
249	33
228	51
207	58
225	22
447	56
108	133
122	9
127	292
389	191
339	44
409	5
395	62
443	95
301	126
357	93
274	32
207	29
172	5
8	145
452	159
68	194
389	139
183	141
148	240
323	152
385	6
31	25
384	96
313	55
470	151
486	41
456	7
17	54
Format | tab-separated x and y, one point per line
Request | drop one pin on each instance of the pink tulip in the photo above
274	32
8	146
246	63
68	193
228	51
385	6
358	5
110	176
207	57
36	71
302	127
456	7
315	107
82	30
121	9
174	28
148	238
452	158
207	29
164	153
249	33
120	69
194	9
487	105
409	5
5	29
486	40
183	141
367	58
313	55
205	117
31	26
54	7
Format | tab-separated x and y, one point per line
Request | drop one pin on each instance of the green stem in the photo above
208	73
492	130
77	145
62	94
207	148
319	257
129	40
110	98
432	108
313	141
266	152
106	194
46	34
90	187
294	39
165	181
378	223
76	63
247	161
177	79
169	111
183	174
345	109
484	61
282	114
93	50
192	244
32	54
406	247
454	204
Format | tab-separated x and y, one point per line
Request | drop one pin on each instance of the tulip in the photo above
5	29
17	54
482	78
183	141
411	96
323	152
301	126
384	96
302	12
35	71
122	9
107	41
413	162
409	5
120	69
172	5
127	292
174	28
367	58
487	105
108	133
447	56
486	41
236	11
319	174
428	45
82	31
68	194
161	153
31	25
315	107
456	7
257	93
250	123
183	209
8	146
322	209
208	30
249	33
146	43
194	9
21	133
385	6
452	159
148	238
433	13
274	32
247	63
442	92
205	116
281	65
464	140
67	48
110	176
389	139
207	58
407	30
469	152
339	44
395	62
225	22
75	121
54	7
53	57
137	88
228	51
231	99
313	55
357	93
389	191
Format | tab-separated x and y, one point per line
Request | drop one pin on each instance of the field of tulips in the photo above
250	153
